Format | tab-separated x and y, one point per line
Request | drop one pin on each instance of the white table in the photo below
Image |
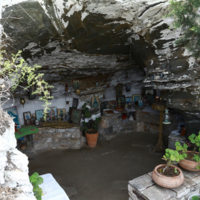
51	189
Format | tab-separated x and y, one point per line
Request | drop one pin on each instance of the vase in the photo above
189	164
92	138
165	181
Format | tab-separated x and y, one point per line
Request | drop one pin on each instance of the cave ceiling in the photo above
85	38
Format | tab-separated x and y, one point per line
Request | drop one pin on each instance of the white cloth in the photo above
51	189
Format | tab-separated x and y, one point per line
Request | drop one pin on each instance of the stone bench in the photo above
144	188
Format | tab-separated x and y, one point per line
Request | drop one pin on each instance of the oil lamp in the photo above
166	117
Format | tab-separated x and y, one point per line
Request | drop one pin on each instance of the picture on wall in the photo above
53	112
27	117
61	112
128	87
121	101
136	97
104	105
75	103
12	111
119	89
95	102
112	104
76	84
76	116
128	100
39	114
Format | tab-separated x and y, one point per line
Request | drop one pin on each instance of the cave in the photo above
114	68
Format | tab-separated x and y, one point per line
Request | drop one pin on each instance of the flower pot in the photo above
189	165
92	139
167	182
190	197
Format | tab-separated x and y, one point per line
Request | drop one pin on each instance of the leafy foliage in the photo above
18	71
91	124
36	181
187	18
195	198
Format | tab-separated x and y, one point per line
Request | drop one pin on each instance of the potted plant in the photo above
192	161
194	197
89	126
168	175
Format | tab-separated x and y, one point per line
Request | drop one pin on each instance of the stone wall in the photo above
56	138
13	164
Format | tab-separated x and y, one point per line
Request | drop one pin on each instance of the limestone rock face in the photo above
91	40
14	164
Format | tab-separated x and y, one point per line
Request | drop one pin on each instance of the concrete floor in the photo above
101	173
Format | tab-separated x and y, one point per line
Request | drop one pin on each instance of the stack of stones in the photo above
112	125
57	138
144	188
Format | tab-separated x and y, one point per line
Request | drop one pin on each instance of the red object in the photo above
66	87
183	131
124	116
15	127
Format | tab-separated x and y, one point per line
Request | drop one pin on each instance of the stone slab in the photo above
158	193
142	182
196	179
190	175
181	191
188	182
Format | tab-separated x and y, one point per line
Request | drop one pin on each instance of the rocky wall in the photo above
54	138
13	164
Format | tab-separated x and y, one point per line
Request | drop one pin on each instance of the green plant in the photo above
195	198
187	18
172	155
91	124
195	140
17	70
36	181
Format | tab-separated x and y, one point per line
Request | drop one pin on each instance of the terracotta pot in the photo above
167	182
92	138
189	165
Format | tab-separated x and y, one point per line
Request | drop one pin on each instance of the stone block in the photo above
76	134
140	127
57	135
50	130
146	126
61	130
142	182
181	191
190	175
47	135
38	136
67	135
56	140
65	142
109	130
188	182
104	122
157	193
196	179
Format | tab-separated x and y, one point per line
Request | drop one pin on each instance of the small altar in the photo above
144	188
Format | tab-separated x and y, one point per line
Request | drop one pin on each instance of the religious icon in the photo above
128	87
76	84
119	89
76	116
95	102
